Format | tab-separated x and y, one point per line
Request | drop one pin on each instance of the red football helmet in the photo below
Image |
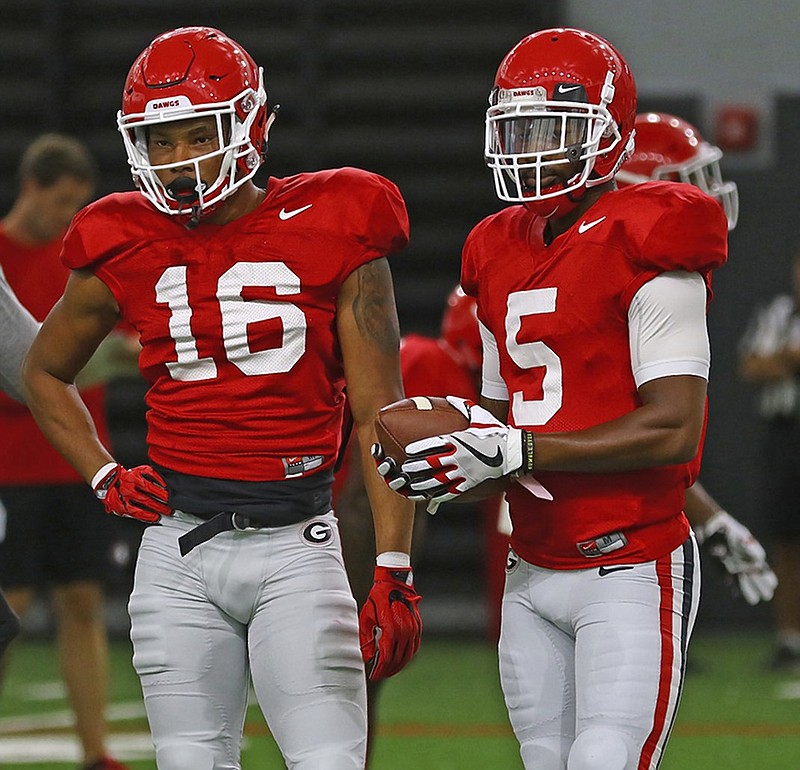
460	327
667	147
188	73
560	96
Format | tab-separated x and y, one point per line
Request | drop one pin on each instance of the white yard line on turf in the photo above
53	719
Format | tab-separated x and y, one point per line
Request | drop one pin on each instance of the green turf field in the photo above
445	711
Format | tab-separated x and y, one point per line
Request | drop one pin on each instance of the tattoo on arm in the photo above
373	306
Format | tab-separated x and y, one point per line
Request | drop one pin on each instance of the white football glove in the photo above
743	557
443	467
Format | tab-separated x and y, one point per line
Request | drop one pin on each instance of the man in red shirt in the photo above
55	535
254	306
592	302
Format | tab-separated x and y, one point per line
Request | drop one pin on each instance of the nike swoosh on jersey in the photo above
584	226
284	214
609	570
492	462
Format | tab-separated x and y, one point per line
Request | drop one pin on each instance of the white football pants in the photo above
274	603
592	661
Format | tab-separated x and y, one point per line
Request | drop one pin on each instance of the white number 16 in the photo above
237	313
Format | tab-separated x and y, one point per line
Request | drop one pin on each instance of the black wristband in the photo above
527	451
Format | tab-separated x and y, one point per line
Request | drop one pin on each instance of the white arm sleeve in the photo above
492	385
18	330
667	328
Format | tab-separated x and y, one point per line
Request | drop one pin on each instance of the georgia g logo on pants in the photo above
512	561
318	533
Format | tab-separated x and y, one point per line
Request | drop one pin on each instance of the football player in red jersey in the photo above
671	148
253	307
592	302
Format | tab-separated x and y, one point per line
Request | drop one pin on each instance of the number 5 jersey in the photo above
559	314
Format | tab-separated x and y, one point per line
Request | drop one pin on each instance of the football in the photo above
412	419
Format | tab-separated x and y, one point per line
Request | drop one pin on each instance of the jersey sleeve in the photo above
469	261
103	228
75	252
377	216
688	230
677	227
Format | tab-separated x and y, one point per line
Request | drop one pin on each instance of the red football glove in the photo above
139	493
389	624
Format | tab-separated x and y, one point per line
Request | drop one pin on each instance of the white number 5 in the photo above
528	355
237	314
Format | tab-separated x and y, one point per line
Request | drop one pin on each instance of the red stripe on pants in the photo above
664	573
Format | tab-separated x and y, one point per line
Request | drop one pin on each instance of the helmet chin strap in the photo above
184	191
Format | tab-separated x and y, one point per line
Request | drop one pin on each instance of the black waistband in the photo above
270	503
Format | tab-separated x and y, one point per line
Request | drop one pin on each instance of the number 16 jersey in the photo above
238	321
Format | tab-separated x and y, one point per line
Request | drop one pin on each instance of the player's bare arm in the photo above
664	430
700	506
70	334
370	338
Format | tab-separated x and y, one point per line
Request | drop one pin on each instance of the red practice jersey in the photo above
38	278
559	313
238	322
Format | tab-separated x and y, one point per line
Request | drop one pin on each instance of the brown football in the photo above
412	419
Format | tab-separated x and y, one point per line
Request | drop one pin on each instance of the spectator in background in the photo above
56	533
670	148
770	359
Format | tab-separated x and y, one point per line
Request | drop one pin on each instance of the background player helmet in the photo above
460	327
668	147
188	73
558	94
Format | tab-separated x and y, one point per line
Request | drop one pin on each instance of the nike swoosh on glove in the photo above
389	625
732	544
443	467
138	493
